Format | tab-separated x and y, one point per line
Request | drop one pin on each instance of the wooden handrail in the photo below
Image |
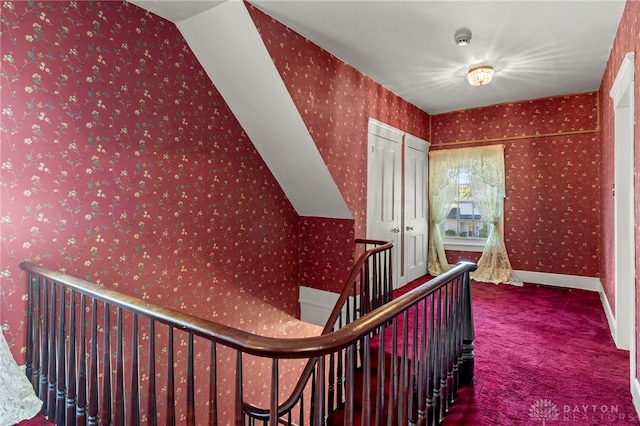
243	341
364	325
347	291
315	348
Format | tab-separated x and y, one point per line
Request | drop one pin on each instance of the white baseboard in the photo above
611	319
635	396
316	305
560	280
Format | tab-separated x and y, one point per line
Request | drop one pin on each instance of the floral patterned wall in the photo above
323	254
627	40
122	164
335	101
552	207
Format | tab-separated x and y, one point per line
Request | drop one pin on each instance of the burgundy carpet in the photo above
39	420
544	356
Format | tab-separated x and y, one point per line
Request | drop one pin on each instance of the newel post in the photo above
468	333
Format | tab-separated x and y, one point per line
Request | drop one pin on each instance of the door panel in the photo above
385	160
416	213
384	191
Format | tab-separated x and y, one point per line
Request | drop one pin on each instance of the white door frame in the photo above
622	92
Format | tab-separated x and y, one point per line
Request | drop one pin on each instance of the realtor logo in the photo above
543	410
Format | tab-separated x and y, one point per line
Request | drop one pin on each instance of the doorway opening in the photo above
624	204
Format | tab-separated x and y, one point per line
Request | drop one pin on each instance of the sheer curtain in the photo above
443	181
486	167
18	401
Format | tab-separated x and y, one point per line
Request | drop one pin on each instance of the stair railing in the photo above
89	370
369	285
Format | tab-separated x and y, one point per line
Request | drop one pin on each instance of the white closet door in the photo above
396	213
415	207
384	191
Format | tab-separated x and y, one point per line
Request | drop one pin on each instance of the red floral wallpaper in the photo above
520	119
627	40
122	164
335	101
552	207
322	253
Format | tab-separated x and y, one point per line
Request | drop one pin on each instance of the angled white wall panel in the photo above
229	47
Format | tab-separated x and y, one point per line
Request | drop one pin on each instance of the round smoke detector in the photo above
463	37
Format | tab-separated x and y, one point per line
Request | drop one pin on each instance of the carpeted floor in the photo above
544	356
39	420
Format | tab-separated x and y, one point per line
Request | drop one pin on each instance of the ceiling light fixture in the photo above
480	76
462	37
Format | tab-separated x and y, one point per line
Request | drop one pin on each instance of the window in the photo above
463	227
466	200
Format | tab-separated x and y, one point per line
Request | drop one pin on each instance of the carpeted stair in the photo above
336	418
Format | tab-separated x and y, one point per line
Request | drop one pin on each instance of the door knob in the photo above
409	228
396	230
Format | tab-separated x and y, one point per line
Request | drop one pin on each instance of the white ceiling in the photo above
538	48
